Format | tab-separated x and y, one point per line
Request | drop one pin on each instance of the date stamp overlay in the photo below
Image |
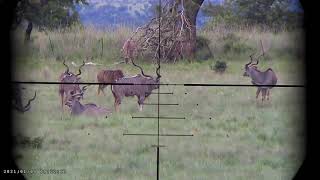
39	171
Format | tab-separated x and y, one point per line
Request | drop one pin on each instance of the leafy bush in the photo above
219	66
203	51
233	44
24	141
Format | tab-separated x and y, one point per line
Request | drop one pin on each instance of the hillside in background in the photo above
101	13
104	13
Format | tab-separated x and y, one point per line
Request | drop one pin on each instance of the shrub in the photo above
203	51
219	66
24	141
234	44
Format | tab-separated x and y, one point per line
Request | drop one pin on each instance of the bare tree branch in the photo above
176	29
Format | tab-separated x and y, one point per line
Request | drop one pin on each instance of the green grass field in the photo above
235	137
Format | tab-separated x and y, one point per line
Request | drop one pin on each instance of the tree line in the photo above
273	14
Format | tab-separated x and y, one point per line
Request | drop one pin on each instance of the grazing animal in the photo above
89	109
68	77
260	78
138	89
108	76
17	99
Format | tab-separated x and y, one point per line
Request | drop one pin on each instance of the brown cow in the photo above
108	76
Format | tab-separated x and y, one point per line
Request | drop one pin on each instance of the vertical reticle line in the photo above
158	69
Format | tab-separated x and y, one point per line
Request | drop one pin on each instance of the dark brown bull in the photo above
68	77
137	89
108	76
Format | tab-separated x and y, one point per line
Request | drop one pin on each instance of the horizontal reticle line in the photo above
146	134
163	93
161	104
92	83
243	85
156	117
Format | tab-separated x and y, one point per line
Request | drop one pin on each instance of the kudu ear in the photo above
83	89
72	92
79	97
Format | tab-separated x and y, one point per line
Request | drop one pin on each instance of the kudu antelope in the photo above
137	89
260	78
68	77
108	76
17	99
89	109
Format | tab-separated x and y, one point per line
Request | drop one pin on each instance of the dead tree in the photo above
177	32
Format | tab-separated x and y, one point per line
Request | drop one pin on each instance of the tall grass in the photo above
104	45
246	40
73	43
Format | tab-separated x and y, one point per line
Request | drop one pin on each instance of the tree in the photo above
46	14
274	14
177	31
192	8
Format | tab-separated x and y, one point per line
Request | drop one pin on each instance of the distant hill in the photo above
106	13
102	13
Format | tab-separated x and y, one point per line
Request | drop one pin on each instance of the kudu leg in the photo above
62	100
116	108
257	93
99	88
117	103
268	94
140	102
264	91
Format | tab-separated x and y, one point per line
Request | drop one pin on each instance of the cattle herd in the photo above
140	85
